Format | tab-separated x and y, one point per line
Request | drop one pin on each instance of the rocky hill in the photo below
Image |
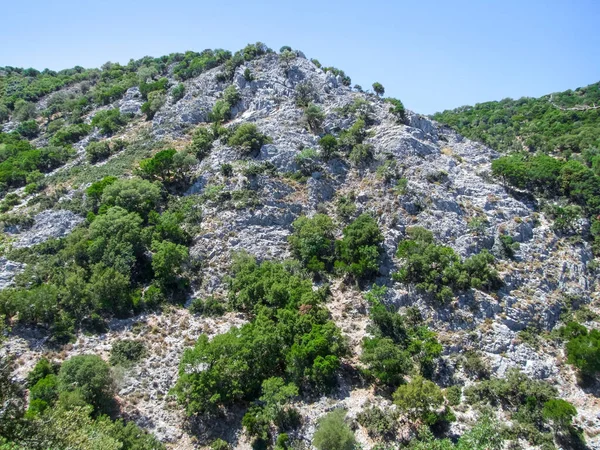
149	205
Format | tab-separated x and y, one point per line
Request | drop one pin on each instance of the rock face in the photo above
48	224
448	190
8	270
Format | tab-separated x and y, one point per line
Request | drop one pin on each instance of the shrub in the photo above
333	433
209	307
438	270
248	75
248	138
178	92
24	110
109	121
305	94
454	395
90	376
361	153
377	421
231	96
126	352
397	109
156	86
313	241
28	129
378	89
386	361
314	117
559	412
45	390
155	101
133	194
202	142
4	113
226	170
97	151
583	351
307	161
357	253
345	207
418	398
70	134
508	245
41	370
328	144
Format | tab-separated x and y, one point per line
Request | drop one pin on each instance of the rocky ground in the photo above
449	185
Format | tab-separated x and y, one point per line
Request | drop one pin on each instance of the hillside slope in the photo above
157	260
561	122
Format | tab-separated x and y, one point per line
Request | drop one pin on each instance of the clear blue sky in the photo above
433	55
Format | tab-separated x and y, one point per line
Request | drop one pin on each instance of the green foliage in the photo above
41	370
98	151
360	153
178	92
248	75
486	435
305	94
45	390
155	86
418	398
438	269
133	194
247	138
70	134
397	109
378	422
378	88
193	64
345	207
346	80
385	360
109	121
583	350
167	262
314	117
168	166
313	241
454	395
19	159
565	217
288	325
508	245
126	352
219	444
24	110
208	307
532	122
28	129
307	161
357	253
90	376
156	99
333	433
328	144
202	142
559	412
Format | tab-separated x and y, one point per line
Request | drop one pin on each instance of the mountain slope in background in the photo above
561	122
251	244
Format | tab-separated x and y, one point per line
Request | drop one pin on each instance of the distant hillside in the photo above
565	121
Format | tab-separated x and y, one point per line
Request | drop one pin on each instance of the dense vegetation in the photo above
132	239
438	270
575	180
534	124
290	336
70	406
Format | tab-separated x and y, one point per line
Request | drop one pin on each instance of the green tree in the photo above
328	144
559	412
248	138
167	261
357	253
133	194
314	117
583	352
313	241
418	398
386	361
90	376
378	88
333	433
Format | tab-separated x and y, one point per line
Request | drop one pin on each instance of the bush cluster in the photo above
439	270
289	325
